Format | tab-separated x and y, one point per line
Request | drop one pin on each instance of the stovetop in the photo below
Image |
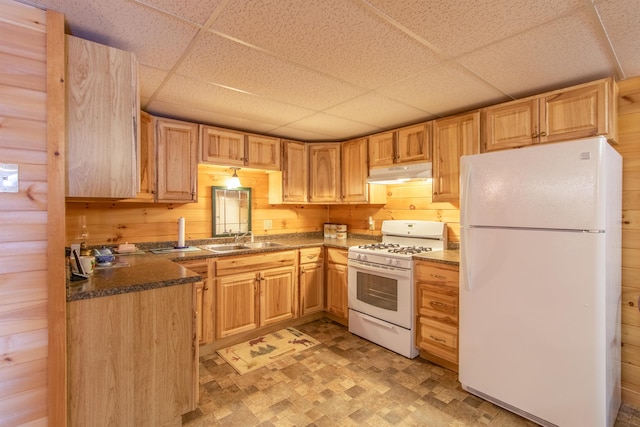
392	248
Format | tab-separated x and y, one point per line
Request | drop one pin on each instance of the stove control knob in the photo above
362	257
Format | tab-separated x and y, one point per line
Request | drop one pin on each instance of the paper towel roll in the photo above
181	232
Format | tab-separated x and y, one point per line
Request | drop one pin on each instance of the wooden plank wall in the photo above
629	147
24	226
119	222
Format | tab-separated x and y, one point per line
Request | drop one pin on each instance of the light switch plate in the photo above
268	224
8	178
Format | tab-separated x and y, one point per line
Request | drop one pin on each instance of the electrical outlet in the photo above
268	225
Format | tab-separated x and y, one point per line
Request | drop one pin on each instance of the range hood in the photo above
399	173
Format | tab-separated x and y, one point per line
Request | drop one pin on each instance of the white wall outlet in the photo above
268	225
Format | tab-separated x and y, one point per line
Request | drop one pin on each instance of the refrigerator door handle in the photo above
465	234
466	189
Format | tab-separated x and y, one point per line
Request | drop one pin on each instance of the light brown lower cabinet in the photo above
132	358
437	312
311	280
262	294
204	298
337	285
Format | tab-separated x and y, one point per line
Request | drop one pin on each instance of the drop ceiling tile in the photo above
337	127
193	93
194	11
456	27
341	38
444	89
621	19
150	79
219	60
379	111
208	117
564	52
157	40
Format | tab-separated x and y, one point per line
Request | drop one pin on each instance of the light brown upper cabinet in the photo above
453	137
147	158
103	112
230	148
290	185
177	157
410	144
577	112
354	171
324	172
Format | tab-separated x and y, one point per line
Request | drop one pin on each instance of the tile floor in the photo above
345	381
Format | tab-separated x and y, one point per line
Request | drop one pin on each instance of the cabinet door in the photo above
354	171
221	146
177	160
337	290
102	115
235	304
381	149
453	137
311	288
204	298
263	152
324	173
511	125
276	295
147	158
294	173
575	113
414	144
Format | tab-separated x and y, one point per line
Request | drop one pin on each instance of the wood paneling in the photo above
32	338
629	147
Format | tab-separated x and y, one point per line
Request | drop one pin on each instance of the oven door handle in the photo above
378	322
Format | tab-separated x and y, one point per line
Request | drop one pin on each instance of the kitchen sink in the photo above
261	245
231	247
225	248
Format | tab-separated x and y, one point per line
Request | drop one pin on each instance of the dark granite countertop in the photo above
146	270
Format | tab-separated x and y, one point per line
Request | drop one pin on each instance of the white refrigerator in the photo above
540	277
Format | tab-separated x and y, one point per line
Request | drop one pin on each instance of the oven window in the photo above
378	291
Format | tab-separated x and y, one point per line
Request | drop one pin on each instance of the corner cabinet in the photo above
436	287
337	291
354	171
324	172
204	298
177	160
576	112
453	137
102	121
148	182
290	185
262	294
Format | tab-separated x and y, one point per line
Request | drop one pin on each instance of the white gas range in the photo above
380	283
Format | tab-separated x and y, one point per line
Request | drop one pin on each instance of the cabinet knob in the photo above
543	134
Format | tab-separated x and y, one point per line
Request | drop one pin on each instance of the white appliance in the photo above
540	281
400	173
380	283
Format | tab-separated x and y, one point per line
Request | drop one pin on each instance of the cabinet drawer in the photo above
438	339
441	274
337	256
311	255
442	306
259	261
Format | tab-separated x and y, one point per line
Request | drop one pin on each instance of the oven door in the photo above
383	292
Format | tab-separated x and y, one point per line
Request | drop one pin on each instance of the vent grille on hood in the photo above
400	173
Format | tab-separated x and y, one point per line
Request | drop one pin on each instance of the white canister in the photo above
332	231
327	231
341	235
341	227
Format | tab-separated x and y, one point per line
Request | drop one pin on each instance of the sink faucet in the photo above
238	236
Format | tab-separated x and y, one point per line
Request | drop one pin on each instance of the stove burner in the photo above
410	250
396	248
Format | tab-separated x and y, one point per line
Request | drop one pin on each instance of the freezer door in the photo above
534	333
560	186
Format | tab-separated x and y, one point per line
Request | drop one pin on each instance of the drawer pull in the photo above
437	276
311	256
437	339
438	304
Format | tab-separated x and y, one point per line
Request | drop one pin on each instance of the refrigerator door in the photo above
558	186
533	335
